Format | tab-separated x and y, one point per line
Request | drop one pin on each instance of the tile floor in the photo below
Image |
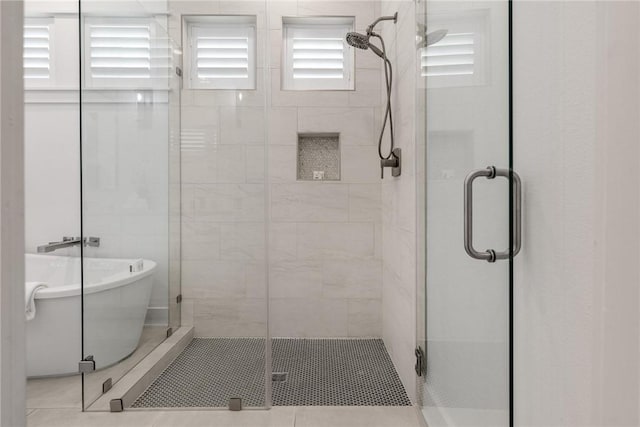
65	392
289	416
56	402
320	372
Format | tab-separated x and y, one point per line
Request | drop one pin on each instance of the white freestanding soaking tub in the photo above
115	306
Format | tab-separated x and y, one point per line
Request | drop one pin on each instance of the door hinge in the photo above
179	299
116	405
87	365
106	386
420	366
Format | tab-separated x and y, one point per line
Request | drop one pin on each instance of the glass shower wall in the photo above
130	165
223	194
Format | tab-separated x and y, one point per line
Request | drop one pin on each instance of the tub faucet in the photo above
67	242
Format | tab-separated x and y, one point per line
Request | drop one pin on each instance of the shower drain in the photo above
279	377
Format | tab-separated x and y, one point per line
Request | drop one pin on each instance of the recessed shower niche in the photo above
319	157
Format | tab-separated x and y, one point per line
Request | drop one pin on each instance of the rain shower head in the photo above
361	41
435	36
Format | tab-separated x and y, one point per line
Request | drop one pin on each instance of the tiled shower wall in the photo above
399	199
325	255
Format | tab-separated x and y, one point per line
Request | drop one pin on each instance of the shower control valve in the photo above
394	162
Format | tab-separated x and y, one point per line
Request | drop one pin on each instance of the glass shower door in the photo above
130	123
464	328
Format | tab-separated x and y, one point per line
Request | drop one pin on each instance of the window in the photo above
125	53
451	56
221	52
38	69
316	55
460	58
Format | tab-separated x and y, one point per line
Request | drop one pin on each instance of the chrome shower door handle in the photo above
491	255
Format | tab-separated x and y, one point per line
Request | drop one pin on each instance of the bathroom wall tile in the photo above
295	279
366	59
365	317
368	90
293	98
200	126
283	125
283	241
361	165
283	160
245	7
335	240
228	202
303	317
232	98
378	241
214	164
280	8
187	7
242	125
275	45
313	201
242	240
213	279
399	256
230	317
363	11
352	279
200	240
254	163
256	279
399	207
355	125
319	261
364	202
230	161
186	311
199	166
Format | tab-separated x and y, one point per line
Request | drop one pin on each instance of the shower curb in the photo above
136	381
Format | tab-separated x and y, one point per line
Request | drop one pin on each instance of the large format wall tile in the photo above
313	201
325	238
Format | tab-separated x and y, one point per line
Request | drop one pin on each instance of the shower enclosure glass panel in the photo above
464	309
130	122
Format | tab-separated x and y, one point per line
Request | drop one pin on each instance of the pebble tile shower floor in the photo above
320	372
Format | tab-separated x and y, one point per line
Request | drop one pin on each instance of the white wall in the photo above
576	148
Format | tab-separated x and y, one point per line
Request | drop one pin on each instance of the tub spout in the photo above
67	242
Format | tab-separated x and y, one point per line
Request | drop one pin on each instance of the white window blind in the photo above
222	52
126	53
316	55
37	50
460	58
454	55
120	51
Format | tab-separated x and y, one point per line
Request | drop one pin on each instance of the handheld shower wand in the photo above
363	41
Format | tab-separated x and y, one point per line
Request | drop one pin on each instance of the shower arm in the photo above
393	18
